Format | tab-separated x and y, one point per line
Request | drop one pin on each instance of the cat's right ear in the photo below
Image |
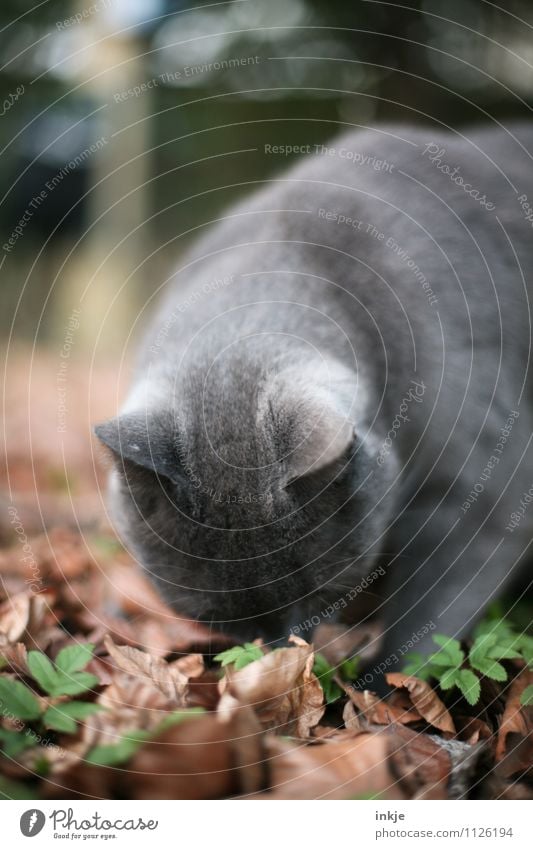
147	441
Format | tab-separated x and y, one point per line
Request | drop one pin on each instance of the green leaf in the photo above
527	696
63	717
525	644
449	679
325	674
18	699
469	685
42	766
442	660
229	655
63	679
15	790
118	753
57	720
14	742
240	656
500	652
349	668
74	684
248	657
366	796
493	625
81	710
450	653
417	664
331	690
74	658
483	643
490	668
42	669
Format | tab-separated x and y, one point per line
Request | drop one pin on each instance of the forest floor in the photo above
106	693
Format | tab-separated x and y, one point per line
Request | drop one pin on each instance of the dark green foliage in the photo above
494	640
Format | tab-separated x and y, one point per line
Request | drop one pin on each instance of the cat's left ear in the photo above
145	439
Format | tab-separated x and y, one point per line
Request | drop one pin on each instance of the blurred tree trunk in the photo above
104	275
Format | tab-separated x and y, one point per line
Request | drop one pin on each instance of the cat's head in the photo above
251	504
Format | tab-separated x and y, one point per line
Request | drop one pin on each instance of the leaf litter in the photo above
107	693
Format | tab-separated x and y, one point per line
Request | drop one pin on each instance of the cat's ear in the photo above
327	446
307	411
146	440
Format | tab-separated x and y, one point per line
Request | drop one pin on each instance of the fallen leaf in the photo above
377	710
418	763
16	656
425	700
167	678
517	718
22	618
191	665
519	758
357	767
130	704
354	720
472	729
281	688
201	758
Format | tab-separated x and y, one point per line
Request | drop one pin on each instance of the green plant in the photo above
240	656
527	696
59	679
15	790
327	674
494	640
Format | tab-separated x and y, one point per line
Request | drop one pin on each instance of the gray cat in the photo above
338	384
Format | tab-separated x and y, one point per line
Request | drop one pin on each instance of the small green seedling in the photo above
326	674
495	640
240	656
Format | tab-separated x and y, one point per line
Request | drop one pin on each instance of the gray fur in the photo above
344	395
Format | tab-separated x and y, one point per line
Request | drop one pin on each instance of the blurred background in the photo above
126	126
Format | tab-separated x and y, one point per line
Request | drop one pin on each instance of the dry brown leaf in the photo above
14	618
156	624
168	679
425	700
80	780
351	768
438	790
354	720
378	711
418	763
519	758
22	617
281	688
201	759
61	555
472	729
191	665
203	691
516	718
16	656
131	703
